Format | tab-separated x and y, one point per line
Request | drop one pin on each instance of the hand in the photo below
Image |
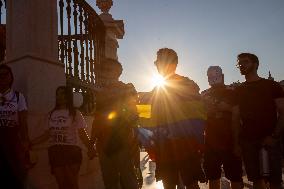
269	141
92	152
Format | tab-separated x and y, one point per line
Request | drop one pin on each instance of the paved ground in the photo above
148	173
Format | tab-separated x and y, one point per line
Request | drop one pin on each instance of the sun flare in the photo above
158	80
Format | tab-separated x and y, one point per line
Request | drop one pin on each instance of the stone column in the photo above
114	31
32	52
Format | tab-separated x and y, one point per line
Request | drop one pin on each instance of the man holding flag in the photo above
179	118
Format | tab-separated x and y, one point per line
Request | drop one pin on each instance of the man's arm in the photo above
276	134
280	121
236	120
23	126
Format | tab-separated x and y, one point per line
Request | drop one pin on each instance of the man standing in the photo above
219	139
177	152
260	110
113	130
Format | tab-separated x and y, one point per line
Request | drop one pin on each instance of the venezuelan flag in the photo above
188	121
183	129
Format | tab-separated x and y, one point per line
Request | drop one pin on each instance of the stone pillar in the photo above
32	52
114	31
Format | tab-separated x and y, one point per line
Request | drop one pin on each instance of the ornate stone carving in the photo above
104	5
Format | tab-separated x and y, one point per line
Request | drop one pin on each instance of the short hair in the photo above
6	67
169	53
251	56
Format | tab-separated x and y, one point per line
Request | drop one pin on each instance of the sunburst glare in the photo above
158	80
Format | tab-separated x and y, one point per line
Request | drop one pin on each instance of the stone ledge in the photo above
31	56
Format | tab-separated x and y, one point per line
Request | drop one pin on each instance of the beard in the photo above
245	71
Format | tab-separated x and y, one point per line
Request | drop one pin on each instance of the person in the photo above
14	139
2	42
113	128
65	124
260	110
282	84
282	140
177	152
218	138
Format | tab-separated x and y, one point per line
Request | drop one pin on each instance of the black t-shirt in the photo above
258	110
218	127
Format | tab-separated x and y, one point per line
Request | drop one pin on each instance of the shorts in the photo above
189	170
250	151
232	165
64	155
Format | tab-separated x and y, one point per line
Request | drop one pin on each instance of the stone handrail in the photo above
81	40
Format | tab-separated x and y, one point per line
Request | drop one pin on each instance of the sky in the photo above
203	33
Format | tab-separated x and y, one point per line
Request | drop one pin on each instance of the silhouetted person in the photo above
177	154
113	130
14	140
2	42
282	86
219	150
66	125
260	110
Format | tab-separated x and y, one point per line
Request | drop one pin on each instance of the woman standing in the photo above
14	140
65	124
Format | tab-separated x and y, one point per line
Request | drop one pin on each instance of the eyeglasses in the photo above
242	63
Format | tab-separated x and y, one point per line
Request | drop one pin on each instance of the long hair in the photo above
5	67
69	100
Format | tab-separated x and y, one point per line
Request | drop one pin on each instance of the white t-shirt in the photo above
10	107
64	128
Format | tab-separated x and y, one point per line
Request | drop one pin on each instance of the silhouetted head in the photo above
215	76
64	96
64	99
166	62
6	77
247	63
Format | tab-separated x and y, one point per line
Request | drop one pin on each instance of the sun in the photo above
158	80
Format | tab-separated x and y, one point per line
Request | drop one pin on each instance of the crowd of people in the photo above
197	135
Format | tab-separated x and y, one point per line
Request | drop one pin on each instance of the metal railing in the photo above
81	39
